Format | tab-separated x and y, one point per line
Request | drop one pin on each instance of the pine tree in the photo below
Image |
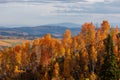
109	69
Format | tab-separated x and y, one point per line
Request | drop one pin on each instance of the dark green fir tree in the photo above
109	69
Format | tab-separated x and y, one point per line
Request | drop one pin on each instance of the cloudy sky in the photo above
40	12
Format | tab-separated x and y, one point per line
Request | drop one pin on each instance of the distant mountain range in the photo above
56	30
68	25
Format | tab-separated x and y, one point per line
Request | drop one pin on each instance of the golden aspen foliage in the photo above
48	36
116	50
36	42
45	59
61	50
88	33
17	70
17	48
56	69
94	53
18	57
71	57
67	34
104	29
66	41
93	76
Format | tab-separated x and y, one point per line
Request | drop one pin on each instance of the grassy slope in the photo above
10	42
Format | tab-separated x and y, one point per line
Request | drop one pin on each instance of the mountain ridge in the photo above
37	31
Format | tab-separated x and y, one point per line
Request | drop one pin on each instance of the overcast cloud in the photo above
39	12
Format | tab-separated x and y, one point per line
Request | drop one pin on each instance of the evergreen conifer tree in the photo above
109	69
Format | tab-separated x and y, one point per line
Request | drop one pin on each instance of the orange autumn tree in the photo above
49	47
115	39
45	50
56	75
25	54
71	57
88	33
104	29
82	57
17	50
66	41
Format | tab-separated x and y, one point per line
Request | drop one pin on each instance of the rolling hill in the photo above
37	31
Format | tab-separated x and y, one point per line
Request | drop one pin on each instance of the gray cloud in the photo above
4	1
39	1
90	7
36	12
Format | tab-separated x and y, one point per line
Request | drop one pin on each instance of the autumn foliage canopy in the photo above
76	57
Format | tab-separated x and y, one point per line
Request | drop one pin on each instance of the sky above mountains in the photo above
40	12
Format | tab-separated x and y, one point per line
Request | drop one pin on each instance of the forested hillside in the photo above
93	54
